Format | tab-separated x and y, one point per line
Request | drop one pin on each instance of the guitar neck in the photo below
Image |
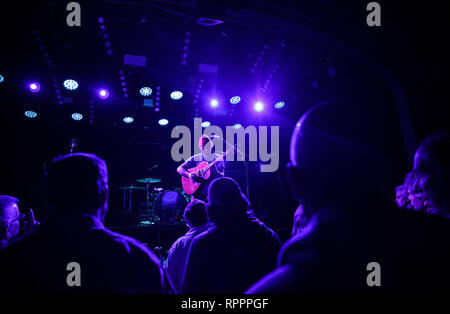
212	163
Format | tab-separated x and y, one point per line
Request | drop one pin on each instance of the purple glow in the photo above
34	87
214	103
103	93
259	106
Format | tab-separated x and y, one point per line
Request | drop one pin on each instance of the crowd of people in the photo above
337	169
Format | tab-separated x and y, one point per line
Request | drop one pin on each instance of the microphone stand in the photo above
247	189
158	219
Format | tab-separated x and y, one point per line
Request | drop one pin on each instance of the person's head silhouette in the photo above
337	154
432	167
78	184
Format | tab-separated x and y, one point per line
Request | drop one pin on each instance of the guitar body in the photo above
190	185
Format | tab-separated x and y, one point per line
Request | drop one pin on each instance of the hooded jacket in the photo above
229	258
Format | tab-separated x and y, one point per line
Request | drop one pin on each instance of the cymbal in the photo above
132	187
149	180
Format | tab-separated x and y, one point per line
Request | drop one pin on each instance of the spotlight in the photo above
235	100
128	120
259	106
1	78
279	104
145	91
77	116
176	95
34	87
237	126
163	122
214	103
103	93
30	114
206	124
70	84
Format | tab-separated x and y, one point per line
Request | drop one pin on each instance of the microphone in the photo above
73	145
153	167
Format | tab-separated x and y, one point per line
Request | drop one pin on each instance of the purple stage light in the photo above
128	120
235	100
214	103
103	93
70	84
163	122
176	95
259	106
279	105
145	91
34	87
30	114
77	116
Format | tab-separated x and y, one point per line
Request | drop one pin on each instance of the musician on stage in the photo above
217	170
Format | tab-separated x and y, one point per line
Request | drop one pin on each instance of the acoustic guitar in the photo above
203	171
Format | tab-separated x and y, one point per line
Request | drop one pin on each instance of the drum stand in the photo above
147	197
129	209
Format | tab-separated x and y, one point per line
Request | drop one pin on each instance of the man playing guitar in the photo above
199	176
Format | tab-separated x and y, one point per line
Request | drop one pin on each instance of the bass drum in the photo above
169	207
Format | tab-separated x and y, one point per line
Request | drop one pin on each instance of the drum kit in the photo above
159	206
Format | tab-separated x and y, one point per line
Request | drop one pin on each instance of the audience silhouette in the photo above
339	164
73	234
340	161
236	251
197	221
432	168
